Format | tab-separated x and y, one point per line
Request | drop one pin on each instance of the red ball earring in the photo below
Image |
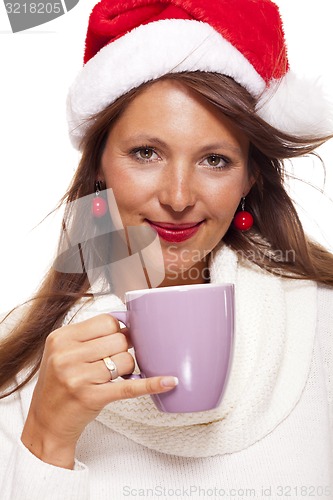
99	204
243	220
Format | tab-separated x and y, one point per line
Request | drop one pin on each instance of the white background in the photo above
37	160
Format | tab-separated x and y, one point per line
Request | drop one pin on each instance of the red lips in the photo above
175	233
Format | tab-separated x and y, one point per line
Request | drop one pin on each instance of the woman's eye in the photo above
145	154
215	161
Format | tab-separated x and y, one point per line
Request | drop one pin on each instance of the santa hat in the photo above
130	42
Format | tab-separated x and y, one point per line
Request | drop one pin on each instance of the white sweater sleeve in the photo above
26	477
325	335
22	475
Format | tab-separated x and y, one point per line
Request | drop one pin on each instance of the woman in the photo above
178	115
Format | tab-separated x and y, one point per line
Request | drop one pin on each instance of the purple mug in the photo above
185	331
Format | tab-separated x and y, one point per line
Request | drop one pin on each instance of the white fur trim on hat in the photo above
170	46
297	106
294	105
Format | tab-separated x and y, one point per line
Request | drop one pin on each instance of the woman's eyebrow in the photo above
221	145
144	139
151	140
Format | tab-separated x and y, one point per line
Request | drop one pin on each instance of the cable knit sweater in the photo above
284	449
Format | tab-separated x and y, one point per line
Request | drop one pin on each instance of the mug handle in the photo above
122	316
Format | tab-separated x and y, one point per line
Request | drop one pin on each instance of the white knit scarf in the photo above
275	327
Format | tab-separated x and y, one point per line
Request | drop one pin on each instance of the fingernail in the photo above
169	381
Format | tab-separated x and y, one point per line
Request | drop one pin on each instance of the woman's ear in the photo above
100	178
253	176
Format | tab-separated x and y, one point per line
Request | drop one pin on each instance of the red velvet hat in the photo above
130	42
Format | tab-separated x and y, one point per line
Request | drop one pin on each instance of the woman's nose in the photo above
177	188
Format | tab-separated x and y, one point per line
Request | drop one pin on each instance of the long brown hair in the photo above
276	242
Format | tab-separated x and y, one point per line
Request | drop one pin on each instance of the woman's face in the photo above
177	165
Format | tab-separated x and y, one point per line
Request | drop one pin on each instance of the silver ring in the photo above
112	367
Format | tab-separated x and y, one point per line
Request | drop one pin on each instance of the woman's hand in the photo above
74	385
